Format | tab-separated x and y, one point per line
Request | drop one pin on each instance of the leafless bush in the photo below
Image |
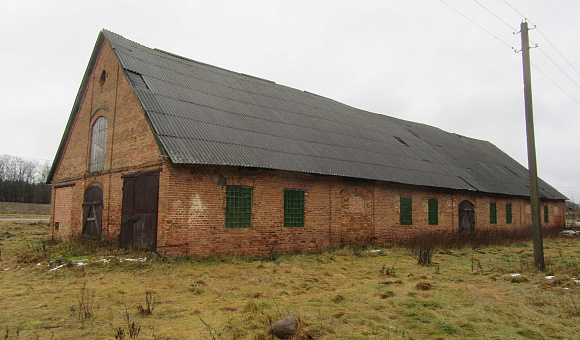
482	238
133	329
424	255
85	300
150	297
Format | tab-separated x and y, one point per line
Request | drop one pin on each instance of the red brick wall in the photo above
195	213
130	146
337	212
62	211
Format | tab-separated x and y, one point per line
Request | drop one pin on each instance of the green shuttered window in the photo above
492	213
406	211
293	208
508	213
433	211
238	206
546	216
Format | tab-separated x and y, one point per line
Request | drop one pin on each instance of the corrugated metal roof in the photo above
207	115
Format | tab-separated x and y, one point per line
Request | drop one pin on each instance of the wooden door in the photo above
139	215
466	217
93	212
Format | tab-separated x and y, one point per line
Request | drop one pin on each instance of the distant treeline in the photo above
23	180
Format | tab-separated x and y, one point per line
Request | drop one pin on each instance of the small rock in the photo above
285	328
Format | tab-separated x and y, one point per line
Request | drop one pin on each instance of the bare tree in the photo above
23	180
43	171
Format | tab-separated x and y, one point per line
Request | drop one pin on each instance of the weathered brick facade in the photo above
130	147
192	202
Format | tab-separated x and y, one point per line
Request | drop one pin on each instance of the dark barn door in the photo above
139	215
466	217
93	212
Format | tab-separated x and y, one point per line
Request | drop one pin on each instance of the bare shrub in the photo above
481	238
85	299
388	271
150	297
133	329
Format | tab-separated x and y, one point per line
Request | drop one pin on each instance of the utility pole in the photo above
533	171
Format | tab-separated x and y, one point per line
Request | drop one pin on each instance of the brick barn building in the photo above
180	157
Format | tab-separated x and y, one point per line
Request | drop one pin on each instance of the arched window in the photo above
98	144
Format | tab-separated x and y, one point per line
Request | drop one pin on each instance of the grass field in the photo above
338	294
24	210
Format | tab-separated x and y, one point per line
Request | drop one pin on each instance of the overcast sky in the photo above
448	64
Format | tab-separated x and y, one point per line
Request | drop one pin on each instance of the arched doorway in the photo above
466	217
93	212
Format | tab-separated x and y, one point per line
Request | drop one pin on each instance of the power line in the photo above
478	25
558	86
512	7
543	35
564	72
500	19
512	48
554	47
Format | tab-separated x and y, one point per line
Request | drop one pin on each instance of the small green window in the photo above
406	211
238	206
546	218
293	208
433	211
508	213
492	213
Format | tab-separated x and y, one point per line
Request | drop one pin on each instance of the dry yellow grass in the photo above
15	209
339	294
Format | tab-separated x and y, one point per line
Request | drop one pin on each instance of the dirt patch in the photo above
13	208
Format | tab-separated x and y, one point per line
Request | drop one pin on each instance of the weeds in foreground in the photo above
35	252
85	299
344	293
16	333
150	297
133	329
572	307
477	240
388	271
213	333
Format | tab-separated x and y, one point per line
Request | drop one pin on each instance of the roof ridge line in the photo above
213	66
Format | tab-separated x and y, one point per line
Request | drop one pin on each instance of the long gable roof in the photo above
202	114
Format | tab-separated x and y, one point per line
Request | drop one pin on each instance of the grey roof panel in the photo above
204	114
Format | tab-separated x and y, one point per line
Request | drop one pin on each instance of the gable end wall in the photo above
130	146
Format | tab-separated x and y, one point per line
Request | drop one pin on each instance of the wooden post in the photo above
533	171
